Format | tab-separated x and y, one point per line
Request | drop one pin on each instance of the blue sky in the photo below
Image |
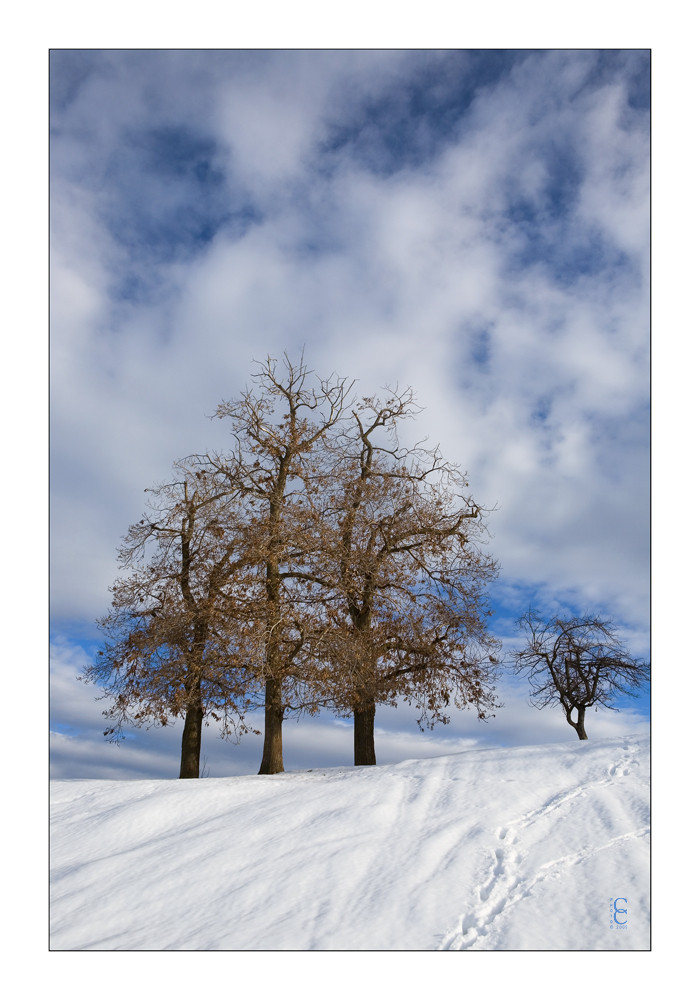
474	224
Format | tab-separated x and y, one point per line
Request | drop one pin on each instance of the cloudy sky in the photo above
474	224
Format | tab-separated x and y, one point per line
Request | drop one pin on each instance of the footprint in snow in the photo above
623	767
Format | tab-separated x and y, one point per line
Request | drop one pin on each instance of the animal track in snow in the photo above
506	889
623	767
505	884
620	768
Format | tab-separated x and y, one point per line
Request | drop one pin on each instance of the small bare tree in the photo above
578	662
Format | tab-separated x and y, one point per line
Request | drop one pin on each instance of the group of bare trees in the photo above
319	562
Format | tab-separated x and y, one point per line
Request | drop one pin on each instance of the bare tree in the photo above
169	650
277	428
408	572
578	662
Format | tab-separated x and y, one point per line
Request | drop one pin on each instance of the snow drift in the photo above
540	847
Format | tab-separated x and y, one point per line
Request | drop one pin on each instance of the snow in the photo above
496	849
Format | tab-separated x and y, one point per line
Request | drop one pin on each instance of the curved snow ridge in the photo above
486	849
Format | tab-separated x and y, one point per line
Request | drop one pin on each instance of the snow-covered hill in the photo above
531	848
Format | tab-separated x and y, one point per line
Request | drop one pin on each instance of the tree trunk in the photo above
272	762
364	735
578	725
191	741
